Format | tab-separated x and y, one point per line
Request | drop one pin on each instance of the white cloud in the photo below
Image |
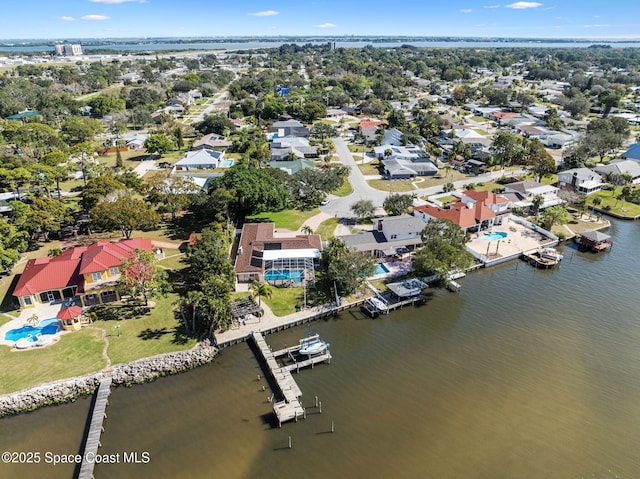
95	17
326	25
598	25
523	5
266	13
465	10
491	6
65	18
113	2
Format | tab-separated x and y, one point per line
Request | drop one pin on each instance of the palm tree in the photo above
191	300
536	203
306	229
448	187
33	320
260	289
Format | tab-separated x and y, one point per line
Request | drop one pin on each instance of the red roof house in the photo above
88	272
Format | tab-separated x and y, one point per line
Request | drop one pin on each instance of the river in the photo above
523	373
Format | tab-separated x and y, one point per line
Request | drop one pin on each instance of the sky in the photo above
62	19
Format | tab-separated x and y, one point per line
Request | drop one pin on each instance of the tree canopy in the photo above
444	249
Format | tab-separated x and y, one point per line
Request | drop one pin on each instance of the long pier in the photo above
290	407
95	429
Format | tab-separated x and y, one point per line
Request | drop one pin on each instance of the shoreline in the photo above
139	371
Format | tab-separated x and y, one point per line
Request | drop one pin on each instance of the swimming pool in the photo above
381	268
226	164
285	275
494	236
45	327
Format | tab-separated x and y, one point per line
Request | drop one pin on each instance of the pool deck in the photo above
43	311
520	239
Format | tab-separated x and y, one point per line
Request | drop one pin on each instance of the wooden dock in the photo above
95	429
290	407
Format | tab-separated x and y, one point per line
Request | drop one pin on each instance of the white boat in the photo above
378	304
550	253
311	345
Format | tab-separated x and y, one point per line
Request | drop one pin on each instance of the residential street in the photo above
341	206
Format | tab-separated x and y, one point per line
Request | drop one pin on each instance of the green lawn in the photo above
369	168
143	332
345	189
288	219
610	202
283	301
74	354
393	186
327	228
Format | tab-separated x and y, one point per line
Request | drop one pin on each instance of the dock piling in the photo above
332	428
289	442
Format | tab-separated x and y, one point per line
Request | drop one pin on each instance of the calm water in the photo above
524	373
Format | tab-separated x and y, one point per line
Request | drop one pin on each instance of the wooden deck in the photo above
95	429
290	407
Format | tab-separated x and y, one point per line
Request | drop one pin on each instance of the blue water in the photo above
46	326
293	275
380	269
494	236
226	164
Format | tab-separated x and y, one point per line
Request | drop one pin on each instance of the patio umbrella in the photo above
69	313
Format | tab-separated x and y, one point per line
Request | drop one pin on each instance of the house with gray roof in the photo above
281	148
390	233
633	153
523	193
580	180
288	128
621	167
199	160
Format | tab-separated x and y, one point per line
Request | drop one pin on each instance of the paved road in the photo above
341	206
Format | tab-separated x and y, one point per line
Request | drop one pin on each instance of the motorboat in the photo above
550	253
379	304
311	345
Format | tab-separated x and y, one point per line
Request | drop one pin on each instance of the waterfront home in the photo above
476	210
264	254
89	273
621	167
391	235
523	193
580	180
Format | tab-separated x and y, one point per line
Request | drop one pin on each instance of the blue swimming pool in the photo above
226	163
381	268
46	326
285	275
494	236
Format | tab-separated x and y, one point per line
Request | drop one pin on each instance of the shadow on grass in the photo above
119	312
180	336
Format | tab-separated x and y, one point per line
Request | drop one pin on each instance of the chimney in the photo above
380	225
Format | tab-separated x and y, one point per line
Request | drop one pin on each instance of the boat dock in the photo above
92	442
290	407
540	261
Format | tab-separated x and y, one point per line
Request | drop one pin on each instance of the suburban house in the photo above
265	255
475	210
580	180
621	167
211	142
200	160
282	149
369	128
293	166
633	153
88	273
391	234
6	198
288	128
403	160
522	194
